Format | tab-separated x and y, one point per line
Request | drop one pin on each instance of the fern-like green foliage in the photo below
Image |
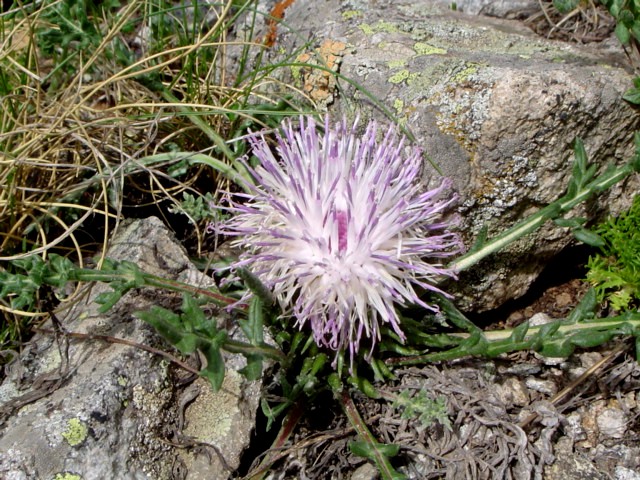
565	6
197	208
423	407
615	271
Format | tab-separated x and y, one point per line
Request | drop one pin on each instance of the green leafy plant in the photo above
565	6
424	408
615	271
627	16
71	27
197	208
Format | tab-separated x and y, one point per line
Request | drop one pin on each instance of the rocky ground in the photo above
519	416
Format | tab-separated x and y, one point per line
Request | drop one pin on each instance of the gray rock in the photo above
571	465
493	105
493	8
115	411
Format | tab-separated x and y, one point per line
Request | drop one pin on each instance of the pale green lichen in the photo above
382	26
122	381
296	73
463	75
212	415
398	104
349	14
379	26
422	48
76	432
402	75
399	76
366	28
396	63
67	476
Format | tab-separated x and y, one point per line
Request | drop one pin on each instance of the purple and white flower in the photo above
340	228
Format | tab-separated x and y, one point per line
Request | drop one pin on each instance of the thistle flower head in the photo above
340	228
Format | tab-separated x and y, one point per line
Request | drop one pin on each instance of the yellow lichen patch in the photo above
463	75
399	76
366	28
67	476
351	14
398	105
319	84
396	63
379	26
76	432
402	75
427	49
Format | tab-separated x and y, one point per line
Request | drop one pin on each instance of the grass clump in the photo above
118	109
615	271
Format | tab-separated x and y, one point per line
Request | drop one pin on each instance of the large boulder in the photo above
494	106
92	409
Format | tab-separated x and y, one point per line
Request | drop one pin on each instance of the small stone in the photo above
522	369
612	422
622	473
564	299
573	427
513	392
365	472
540	319
546	387
575	372
590	424
629	401
589	359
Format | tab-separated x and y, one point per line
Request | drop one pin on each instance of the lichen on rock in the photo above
76	432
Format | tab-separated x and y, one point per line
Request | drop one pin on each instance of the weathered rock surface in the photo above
115	411
493	8
493	105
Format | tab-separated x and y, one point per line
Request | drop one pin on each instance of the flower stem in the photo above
372	448
550	212
140	278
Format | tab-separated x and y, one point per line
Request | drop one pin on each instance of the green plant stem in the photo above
107	276
192	158
263	349
554	210
387	472
560	336
139	278
277	448
598	325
